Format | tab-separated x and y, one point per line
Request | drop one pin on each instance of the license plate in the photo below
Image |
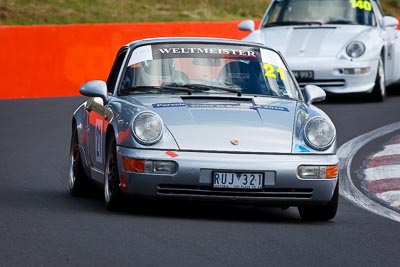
238	180
303	75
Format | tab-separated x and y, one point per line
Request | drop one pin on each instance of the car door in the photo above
391	42
392	53
99	117
96	114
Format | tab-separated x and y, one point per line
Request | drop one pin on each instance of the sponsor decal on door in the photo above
98	137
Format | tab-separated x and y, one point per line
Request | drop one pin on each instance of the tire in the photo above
112	191
77	179
322	213
378	93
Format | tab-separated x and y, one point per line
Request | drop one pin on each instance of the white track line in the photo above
389	150
347	188
391	197
382	172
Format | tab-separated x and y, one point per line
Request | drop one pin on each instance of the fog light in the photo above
149	166
356	71
164	167
310	172
318	172
133	165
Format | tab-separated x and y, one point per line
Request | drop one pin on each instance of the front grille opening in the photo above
323	83
184	190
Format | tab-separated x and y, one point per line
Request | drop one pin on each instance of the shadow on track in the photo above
190	210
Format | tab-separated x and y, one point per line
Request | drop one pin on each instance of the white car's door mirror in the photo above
247	25
314	94
389	21
96	88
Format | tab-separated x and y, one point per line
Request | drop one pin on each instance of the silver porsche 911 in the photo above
205	119
344	46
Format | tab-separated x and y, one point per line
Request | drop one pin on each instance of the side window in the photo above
275	13
273	17
112	78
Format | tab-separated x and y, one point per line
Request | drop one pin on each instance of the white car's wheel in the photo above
379	91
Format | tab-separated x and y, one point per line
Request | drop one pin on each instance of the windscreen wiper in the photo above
283	23
340	21
151	89
212	87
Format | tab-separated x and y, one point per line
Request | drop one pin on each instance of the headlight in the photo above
147	128
319	133
355	49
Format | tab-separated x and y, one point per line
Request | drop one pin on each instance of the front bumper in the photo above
193	179
330	74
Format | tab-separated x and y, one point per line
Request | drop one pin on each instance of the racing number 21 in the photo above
366	5
270	71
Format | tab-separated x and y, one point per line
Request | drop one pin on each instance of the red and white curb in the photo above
348	190
382	174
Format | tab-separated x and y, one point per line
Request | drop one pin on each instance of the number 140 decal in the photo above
366	5
271	72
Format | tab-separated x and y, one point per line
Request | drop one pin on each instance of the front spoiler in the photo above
193	179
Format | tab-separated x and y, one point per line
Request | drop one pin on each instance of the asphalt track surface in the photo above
42	225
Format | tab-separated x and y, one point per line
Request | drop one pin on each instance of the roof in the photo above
192	40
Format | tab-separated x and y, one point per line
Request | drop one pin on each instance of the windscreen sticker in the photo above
273	72
272	58
98	136
209	51
204	51
239	75
141	54
361	4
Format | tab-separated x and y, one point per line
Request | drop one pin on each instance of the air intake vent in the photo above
276	193
323	83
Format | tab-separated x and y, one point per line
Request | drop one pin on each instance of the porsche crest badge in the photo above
234	142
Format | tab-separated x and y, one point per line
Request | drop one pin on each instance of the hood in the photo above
310	41
207	123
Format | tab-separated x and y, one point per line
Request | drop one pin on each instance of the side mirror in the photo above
314	94
389	21
96	88
247	25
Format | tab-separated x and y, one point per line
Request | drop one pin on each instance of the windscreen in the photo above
294	12
207	68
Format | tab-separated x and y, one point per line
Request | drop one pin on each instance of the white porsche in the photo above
343	46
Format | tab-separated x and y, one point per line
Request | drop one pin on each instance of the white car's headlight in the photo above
147	128
319	133
355	49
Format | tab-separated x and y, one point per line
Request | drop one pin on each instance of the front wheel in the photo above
378	93
77	180
322	213
112	191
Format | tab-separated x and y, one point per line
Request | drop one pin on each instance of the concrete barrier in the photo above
54	60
